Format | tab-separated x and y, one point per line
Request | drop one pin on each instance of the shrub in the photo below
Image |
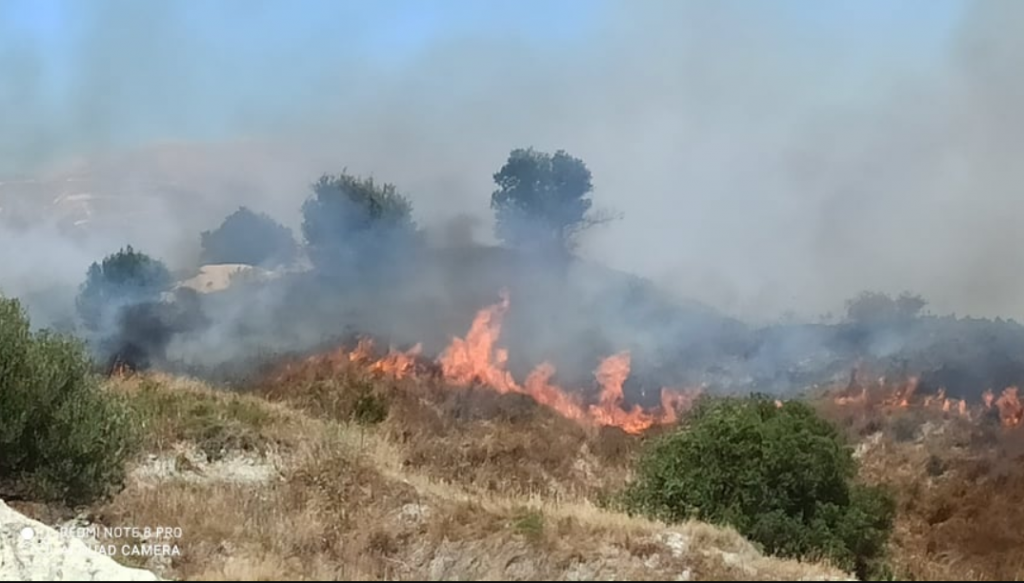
370	408
251	238
120	304
127	277
781	476
356	225
875	308
61	437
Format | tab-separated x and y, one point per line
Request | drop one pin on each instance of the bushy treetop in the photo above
542	200
250	238
356	225
125	277
781	475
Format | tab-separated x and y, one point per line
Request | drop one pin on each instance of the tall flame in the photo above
477	359
1011	413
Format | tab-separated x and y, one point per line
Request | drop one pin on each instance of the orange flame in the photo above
475	359
861	397
398	364
1011	413
1011	410
611	374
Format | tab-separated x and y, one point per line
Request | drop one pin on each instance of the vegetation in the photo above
542	200
351	223
61	437
333	499
782	476
215	424
469	465
250	238
127	277
872	308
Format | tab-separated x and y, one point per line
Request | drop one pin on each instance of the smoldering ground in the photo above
761	163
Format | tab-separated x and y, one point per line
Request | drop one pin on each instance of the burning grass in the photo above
392	466
958	472
477	361
884	397
503	443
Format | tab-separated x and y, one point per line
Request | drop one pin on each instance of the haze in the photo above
766	157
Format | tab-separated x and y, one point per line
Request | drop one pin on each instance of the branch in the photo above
593	219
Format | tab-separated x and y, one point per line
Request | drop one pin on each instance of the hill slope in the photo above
283	484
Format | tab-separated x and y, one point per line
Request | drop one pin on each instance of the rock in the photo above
32	551
442	562
521	568
677	543
414	514
652	562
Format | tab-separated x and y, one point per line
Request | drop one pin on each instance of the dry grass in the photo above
959	485
174	410
374	501
500	443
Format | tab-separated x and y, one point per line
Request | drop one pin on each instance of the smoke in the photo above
765	157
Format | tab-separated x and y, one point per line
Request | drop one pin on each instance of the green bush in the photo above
781	476
61	437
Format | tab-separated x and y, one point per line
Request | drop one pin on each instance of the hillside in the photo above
421	409
955	467
359	462
281	484
351	467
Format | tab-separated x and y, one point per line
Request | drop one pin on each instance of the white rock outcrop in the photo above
33	551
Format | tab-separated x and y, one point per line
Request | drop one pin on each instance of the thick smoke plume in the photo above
762	164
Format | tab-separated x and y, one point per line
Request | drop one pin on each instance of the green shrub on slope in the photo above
781	476
61	437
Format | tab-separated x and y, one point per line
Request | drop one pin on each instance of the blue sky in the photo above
394	29
227	47
387	28
403	25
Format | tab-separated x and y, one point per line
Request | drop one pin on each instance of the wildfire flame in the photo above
477	360
1008	404
1011	413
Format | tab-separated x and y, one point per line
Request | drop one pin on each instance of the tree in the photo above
542	201
121	309
124	278
781	475
874	308
62	438
247	237
353	224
